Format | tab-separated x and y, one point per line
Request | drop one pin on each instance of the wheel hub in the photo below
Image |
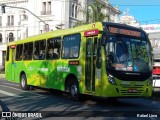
74	90
23	82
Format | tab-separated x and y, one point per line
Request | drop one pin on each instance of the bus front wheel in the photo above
74	91
23	83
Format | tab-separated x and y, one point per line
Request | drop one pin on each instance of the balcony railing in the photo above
10	24
46	12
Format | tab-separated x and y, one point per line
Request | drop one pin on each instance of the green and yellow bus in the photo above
99	59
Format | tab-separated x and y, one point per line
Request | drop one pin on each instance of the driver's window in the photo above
110	44
110	49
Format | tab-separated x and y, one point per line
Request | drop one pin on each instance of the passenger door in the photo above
90	74
10	70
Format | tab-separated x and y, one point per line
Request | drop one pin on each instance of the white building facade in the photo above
112	12
153	31
18	23
129	20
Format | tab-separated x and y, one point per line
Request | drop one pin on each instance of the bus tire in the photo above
74	90
23	83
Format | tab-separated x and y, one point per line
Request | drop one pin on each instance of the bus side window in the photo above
27	53
53	48
35	56
19	50
71	46
39	50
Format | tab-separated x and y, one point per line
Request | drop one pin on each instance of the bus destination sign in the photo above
124	31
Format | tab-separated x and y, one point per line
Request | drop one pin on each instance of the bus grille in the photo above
126	92
135	86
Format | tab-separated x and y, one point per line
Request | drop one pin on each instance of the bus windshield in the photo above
127	54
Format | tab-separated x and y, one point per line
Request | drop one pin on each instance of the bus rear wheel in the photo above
23	82
74	90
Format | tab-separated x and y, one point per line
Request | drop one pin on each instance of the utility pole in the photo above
3	6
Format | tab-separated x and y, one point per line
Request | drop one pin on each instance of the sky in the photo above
144	11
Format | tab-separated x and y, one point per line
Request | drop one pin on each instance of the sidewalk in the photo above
2	76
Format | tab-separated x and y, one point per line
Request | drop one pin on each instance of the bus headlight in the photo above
149	81
111	80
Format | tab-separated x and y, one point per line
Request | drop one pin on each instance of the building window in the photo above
49	8
10	20
4	58
46	8
11	37
0	38
43	8
0	20
23	17
74	9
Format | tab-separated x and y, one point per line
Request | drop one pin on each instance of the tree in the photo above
93	12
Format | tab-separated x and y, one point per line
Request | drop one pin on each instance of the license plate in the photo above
132	90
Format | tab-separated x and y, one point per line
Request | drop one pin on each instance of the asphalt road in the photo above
49	105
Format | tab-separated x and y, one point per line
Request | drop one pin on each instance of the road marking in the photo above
22	90
9	94
13	88
9	84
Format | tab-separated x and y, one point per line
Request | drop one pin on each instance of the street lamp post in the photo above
46	26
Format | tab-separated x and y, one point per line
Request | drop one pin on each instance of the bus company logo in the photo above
63	69
6	114
43	69
30	68
10	115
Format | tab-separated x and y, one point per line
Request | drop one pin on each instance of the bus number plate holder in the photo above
132	90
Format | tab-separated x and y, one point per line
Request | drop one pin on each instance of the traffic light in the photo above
3	8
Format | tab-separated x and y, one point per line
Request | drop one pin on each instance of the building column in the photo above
6	37
1	58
